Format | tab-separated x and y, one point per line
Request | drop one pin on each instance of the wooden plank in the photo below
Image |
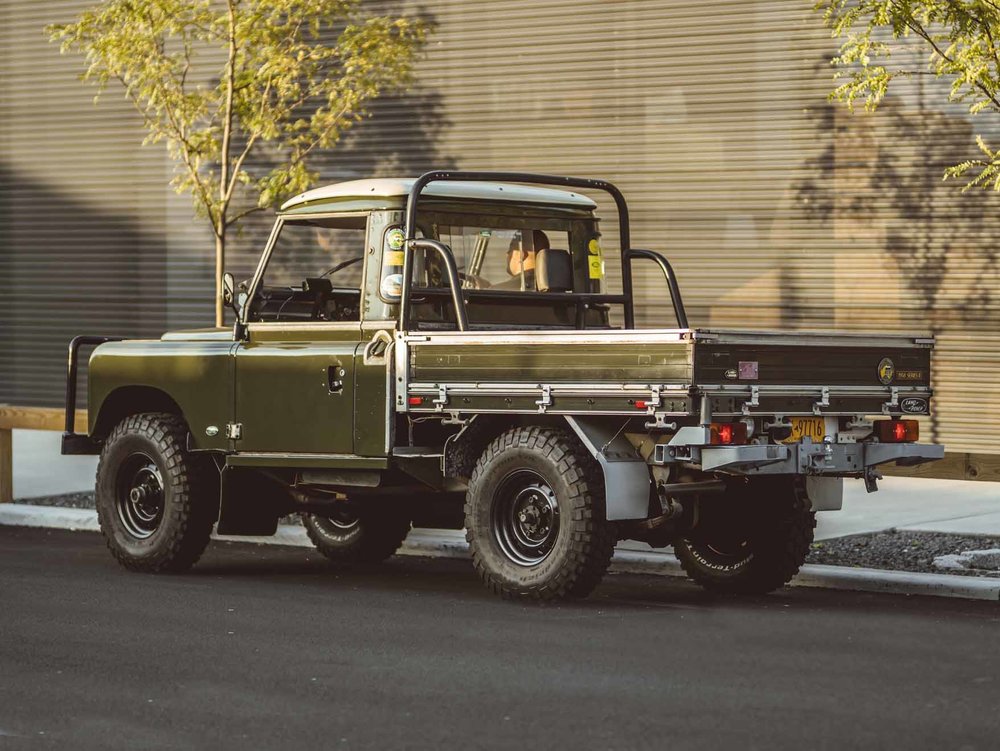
38	418
954	466
6	466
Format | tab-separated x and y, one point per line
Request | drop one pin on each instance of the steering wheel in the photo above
342	265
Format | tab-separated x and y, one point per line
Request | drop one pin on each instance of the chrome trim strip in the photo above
617	336
812	338
780	390
304	326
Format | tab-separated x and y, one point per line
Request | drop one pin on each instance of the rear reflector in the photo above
897	431
728	433
416	401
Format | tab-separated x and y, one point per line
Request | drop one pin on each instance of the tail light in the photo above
728	433
897	431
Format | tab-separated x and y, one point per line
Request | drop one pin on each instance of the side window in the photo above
314	272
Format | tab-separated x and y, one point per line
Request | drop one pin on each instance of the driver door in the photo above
295	376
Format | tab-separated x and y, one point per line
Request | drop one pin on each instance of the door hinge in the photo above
234	431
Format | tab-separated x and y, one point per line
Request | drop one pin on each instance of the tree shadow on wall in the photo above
883	173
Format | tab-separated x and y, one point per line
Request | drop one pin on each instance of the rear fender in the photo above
627	478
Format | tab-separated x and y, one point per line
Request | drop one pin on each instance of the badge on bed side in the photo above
886	371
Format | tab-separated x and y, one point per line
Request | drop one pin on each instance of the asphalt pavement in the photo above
270	647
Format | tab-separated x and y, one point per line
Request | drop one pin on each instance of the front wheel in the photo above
156	502
751	540
534	516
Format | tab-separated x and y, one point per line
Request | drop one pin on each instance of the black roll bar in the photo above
534	179
515	177
72	372
668	271
461	316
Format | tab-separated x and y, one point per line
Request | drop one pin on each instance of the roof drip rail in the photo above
515	177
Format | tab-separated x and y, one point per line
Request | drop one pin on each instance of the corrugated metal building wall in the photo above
777	208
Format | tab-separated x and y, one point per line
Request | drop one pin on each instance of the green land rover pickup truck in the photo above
447	350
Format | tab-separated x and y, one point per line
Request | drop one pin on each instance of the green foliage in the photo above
230	84
960	38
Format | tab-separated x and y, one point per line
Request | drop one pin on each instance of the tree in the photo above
961	40
243	92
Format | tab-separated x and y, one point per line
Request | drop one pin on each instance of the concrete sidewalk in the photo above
904	503
40	470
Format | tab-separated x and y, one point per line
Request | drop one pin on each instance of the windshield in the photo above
507	254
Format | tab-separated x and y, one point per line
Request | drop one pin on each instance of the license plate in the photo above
811	427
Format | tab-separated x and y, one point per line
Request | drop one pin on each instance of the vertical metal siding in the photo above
777	208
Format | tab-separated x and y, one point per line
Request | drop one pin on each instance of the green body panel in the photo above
373	408
284	398
550	363
197	373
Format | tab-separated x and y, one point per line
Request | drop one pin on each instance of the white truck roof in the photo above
391	187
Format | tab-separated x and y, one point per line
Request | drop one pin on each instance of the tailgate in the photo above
813	372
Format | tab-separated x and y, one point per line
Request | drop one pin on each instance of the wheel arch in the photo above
131	400
627	478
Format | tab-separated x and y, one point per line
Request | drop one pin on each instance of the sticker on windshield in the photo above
396	239
595	260
394	258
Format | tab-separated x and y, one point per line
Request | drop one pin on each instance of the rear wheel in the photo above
752	540
534	516
351	534
156	503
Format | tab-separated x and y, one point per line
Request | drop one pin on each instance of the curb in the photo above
451	544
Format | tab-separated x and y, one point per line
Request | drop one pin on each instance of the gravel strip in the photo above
902	551
69	500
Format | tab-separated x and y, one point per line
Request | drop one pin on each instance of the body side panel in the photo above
197	375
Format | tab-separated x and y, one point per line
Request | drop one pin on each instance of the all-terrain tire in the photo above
758	540
526	476
156	502
367	535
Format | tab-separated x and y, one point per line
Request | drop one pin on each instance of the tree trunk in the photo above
220	268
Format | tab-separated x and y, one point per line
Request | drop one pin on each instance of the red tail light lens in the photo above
728	433
415	401
897	431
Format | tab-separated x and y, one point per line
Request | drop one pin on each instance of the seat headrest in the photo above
553	270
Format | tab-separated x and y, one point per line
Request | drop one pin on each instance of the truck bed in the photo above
662	371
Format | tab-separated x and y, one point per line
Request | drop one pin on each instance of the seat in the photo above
553	270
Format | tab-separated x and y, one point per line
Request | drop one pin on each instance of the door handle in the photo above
335	379
376	352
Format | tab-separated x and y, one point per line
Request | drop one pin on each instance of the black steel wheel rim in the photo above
343	519
139	496
525	517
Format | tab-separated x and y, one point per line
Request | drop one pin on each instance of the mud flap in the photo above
250	503
627	479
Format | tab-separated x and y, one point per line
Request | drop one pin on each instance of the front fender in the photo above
197	375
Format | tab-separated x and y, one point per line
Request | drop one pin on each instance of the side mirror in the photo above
229	290
230	296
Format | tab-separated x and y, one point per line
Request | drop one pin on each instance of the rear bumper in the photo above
832	459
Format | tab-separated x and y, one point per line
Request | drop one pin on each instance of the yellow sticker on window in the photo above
596	267
595	260
394	258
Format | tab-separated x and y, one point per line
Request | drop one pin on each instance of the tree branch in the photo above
919	30
242	214
227	118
